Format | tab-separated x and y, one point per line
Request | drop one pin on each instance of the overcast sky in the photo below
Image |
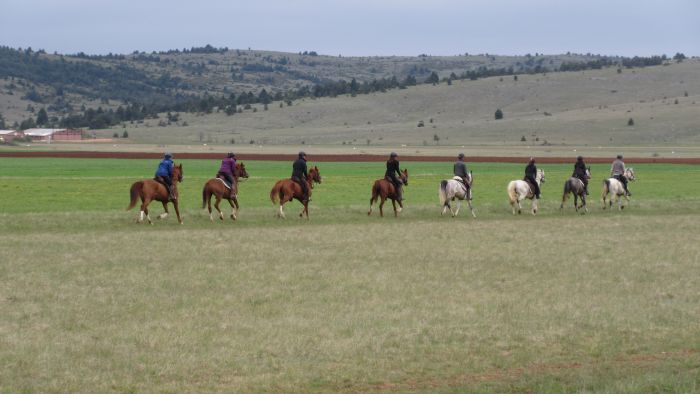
357	27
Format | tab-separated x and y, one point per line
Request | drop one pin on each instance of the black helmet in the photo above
580	158
532	160
460	156
230	154
167	155
393	154
302	154
619	157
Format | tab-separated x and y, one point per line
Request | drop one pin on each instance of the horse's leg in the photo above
534	205
164	215
305	210
471	209
459	205
208	199
234	204
520	207
177	210
144	210
444	208
575	201
583	202
217	205
381	206
393	203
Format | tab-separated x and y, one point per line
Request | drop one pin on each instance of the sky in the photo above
357	27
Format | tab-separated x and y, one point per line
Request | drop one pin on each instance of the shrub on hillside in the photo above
499	114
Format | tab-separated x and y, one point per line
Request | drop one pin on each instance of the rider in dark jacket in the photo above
228	166
460	169
580	173
164	174
531	175
299	175
392	168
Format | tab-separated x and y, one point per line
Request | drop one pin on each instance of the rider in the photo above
460	169
228	166
164	174
530	175
617	171
392	168
580	173
299	175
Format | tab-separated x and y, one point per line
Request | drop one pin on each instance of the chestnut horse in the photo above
218	188
149	190
384	188
286	190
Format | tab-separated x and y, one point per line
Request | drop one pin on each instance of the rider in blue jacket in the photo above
164	174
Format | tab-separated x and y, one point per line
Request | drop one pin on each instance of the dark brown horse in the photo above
384	188
575	186
218	188
286	190
149	190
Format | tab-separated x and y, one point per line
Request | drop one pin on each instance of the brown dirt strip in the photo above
517	373
339	158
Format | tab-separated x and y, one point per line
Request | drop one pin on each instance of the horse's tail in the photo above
375	193
512	193
205	195
275	193
443	192
134	192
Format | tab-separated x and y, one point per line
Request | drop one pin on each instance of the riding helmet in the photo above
580	158
230	154
619	157
167	155
532	160
302	154
393	154
460	156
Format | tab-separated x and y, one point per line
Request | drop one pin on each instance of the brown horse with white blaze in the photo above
218	188
383	189
286	190
149	190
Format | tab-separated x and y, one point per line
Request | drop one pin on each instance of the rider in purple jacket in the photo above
228	166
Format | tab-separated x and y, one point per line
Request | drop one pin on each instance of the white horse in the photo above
519	190
452	189
616	190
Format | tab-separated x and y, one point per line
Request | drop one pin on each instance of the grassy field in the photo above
561	302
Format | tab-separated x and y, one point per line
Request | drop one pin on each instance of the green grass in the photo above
91	302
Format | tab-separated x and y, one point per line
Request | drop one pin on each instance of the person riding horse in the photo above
164	174
617	171
299	175
460	170
580	173
228	165
530	175
392	168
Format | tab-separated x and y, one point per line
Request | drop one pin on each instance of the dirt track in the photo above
341	158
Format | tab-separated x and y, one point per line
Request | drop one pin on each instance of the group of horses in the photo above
286	190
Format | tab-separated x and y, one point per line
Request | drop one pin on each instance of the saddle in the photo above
226	184
461	180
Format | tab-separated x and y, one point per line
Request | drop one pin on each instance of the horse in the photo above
150	189
286	190
576	187
518	190
384	188
452	189
219	188
616	189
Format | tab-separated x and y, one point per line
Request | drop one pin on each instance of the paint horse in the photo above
149	190
616	190
576	187
383	189
286	190
519	190
218	188
454	189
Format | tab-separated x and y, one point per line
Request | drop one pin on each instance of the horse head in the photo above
240	171
404	176
629	174
177	172
539	178
315	175
588	172
470	178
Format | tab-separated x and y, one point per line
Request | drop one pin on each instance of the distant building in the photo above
48	135
9	135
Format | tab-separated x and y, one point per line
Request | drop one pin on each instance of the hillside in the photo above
590	108
67	85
